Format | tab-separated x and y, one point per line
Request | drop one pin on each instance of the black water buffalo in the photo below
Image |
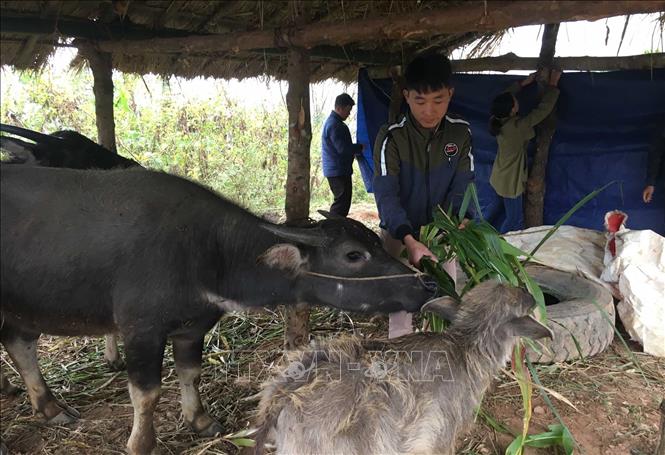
60	149
67	149
152	256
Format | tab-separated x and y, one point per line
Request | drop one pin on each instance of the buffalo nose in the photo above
429	283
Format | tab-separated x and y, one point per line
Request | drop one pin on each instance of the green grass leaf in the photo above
568	214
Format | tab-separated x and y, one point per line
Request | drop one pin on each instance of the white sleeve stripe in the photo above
470	149
384	167
456	120
397	125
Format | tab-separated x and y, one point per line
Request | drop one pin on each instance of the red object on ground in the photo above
614	222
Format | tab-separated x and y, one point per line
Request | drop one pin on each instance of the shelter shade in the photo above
468	17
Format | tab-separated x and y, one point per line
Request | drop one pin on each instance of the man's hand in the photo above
647	194
417	250
528	80
555	75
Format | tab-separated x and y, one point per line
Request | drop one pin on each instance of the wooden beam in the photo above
20	23
511	61
338	53
468	17
535	186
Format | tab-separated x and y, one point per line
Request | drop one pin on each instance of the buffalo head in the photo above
341	263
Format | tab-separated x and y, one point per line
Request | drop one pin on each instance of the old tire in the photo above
578	314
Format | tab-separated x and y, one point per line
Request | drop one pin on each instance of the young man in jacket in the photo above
337	153
422	161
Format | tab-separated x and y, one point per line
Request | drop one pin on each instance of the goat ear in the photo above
446	307
283	256
528	326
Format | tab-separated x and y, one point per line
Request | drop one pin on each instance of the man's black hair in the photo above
344	100
428	72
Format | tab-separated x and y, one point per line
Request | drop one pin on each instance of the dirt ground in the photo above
616	411
615	402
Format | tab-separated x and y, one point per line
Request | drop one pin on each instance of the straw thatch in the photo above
32	30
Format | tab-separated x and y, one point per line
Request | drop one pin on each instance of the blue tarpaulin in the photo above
606	122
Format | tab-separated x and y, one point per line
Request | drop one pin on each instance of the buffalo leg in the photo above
112	354
144	356
187	355
22	348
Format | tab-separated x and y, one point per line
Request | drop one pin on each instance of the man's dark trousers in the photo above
341	189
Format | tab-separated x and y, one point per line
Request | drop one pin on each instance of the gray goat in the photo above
413	394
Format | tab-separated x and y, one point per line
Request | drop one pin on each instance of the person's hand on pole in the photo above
529	79
647	194
555	75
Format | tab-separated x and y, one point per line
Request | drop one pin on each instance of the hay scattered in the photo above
239	353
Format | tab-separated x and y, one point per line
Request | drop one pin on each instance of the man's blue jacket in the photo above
337	148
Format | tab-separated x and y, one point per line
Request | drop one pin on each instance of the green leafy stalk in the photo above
568	214
483	254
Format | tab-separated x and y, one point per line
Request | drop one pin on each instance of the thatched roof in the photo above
60	20
32	30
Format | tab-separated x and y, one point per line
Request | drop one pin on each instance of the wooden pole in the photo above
397	94
296	332
661	446
463	18
102	72
535	187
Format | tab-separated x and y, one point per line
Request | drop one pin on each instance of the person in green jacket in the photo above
513	133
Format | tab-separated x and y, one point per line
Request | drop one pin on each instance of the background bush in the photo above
233	147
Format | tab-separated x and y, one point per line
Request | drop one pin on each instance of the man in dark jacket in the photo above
422	161
337	153
655	166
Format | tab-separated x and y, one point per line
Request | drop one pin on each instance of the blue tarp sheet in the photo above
606	122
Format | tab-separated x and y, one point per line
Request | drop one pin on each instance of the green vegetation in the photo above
212	137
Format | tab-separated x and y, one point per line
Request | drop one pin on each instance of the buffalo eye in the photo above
355	256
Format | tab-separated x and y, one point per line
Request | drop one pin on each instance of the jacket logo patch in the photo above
450	149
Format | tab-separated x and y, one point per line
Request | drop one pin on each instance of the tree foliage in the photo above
238	150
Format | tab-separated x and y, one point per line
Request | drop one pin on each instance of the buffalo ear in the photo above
330	216
283	256
446	307
528	326
306	236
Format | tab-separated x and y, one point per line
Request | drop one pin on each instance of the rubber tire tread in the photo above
575	314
